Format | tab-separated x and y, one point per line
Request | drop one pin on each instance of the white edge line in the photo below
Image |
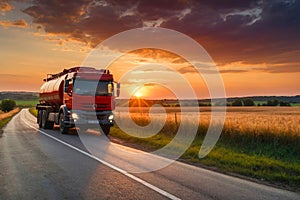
145	183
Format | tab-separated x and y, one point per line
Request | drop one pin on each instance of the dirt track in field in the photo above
8	114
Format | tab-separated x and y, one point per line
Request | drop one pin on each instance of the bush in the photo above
283	103
272	102
248	102
237	102
7	105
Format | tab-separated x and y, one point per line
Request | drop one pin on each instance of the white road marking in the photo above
145	183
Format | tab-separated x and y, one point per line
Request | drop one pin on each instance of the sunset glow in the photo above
256	53
138	94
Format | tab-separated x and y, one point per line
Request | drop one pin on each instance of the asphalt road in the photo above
43	164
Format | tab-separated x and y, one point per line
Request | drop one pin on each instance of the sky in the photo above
254	44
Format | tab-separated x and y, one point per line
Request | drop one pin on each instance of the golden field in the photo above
254	120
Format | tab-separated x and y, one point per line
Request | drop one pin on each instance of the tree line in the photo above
250	102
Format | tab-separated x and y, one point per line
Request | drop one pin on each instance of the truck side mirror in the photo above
118	89
66	89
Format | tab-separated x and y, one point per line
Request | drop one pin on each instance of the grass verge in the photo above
33	111
6	117
4	121
273	163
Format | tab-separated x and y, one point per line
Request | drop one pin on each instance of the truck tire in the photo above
44	121
105	129
63	129
39	118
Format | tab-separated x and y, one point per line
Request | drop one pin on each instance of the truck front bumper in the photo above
90	118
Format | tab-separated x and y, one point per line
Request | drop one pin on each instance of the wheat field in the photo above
250	121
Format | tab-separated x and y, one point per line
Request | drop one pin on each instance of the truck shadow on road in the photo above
76	131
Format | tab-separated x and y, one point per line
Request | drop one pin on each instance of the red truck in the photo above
67	104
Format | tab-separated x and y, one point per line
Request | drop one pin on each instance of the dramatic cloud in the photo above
21	23
240	67
252	31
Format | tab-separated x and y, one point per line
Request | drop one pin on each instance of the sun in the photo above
138	94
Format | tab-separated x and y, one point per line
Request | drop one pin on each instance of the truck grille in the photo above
93	117
94	106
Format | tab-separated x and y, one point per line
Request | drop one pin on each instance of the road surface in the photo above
43	164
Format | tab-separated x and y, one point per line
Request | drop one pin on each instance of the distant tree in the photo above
284	103
203	104
248	102
269	103
237	102
7	105
220	103
274	102
258	104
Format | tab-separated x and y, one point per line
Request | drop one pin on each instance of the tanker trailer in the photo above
64	105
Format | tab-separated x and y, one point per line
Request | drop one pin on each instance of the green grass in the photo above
4	121
26	103
33	111
276	162
259	102
256	166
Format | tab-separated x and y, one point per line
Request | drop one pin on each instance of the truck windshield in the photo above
86	87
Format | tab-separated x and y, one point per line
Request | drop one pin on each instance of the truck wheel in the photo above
44	121
105	129
63	129
50	125
39	118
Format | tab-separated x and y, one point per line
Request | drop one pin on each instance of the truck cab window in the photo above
104	88
110	89
87	87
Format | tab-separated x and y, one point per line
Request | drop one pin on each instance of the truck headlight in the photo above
75	116
110	117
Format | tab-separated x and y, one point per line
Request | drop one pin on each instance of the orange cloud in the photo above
268	67
4	7
20	23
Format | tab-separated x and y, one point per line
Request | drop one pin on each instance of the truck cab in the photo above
82	96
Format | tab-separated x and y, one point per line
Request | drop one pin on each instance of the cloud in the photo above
4	7
233	71
102	19
283	68
20	23
14	76
131	11
253	31
183	13
242	67
150	84
154	23
253	15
